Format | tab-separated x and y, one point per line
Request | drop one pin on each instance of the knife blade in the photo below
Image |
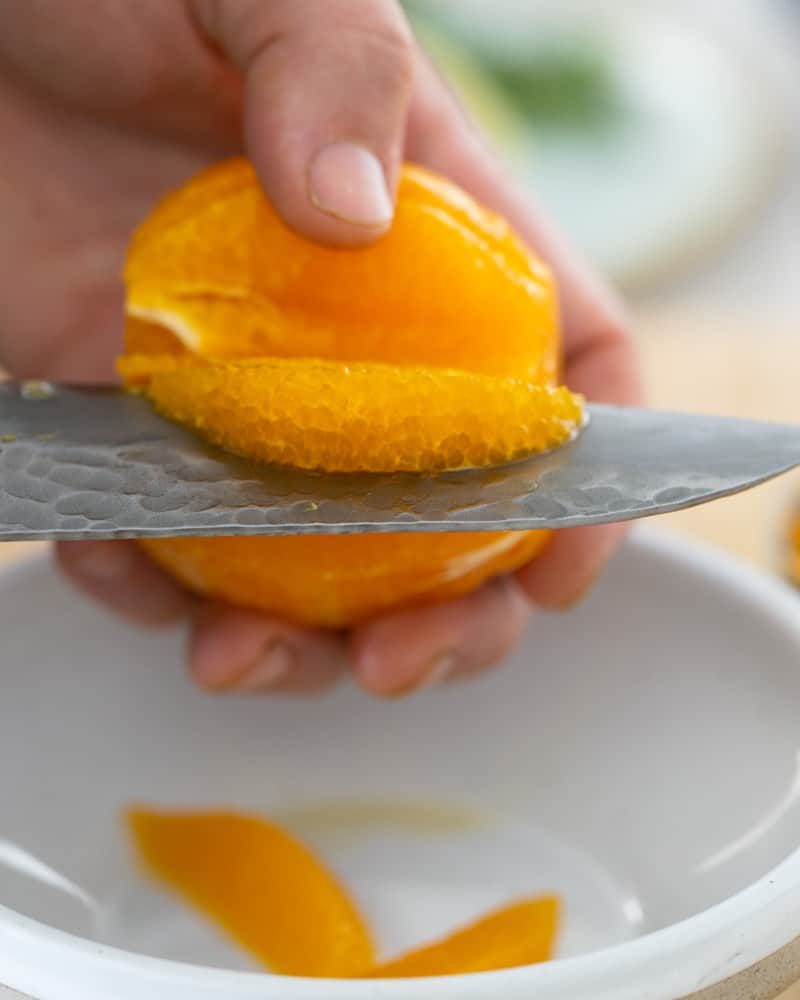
85	462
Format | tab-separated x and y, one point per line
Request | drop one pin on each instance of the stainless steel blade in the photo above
98	463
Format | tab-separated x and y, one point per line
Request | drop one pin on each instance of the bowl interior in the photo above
638	756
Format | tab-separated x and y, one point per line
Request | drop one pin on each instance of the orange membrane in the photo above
793	554
214	271
341	580
281	904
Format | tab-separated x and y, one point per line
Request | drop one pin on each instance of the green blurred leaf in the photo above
564	80
568	83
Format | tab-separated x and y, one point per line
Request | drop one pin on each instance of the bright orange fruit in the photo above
365	416
522	933
338	580
449	286
438	347
261	885
283	906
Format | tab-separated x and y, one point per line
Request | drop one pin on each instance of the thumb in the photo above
327	87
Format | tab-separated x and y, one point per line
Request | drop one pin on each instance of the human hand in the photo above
106	106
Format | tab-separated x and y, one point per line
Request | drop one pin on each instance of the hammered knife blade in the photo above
99	463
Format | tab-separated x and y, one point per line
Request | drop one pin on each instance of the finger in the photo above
231	649
569	566
440	136
327	84
574	559
411	650
121	577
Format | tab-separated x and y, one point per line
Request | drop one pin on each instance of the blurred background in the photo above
664	136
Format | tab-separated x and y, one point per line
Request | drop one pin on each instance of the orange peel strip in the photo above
334	581
214	275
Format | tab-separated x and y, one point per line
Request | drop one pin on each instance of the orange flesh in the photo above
437	347
280	903
261	885
339	580
365	417
522	933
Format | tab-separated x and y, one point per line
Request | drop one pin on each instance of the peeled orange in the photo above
436	348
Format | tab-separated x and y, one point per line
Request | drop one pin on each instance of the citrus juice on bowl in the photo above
282	904
437	348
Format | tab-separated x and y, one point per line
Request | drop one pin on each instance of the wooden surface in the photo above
704	364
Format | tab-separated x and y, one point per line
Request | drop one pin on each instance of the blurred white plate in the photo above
638	756
696	151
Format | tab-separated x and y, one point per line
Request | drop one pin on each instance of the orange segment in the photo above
262	886
341	580
520	934
449	285
365	416
793	556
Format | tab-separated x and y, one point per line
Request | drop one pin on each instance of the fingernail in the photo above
347	182
104	562
270	669
439	669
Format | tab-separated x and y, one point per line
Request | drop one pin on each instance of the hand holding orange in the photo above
326	114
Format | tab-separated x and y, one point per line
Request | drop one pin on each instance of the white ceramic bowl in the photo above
639	756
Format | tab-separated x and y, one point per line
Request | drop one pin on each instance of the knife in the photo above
85	462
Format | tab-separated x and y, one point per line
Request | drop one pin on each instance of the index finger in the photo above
327	84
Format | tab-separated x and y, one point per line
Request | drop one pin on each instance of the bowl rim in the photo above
692	954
